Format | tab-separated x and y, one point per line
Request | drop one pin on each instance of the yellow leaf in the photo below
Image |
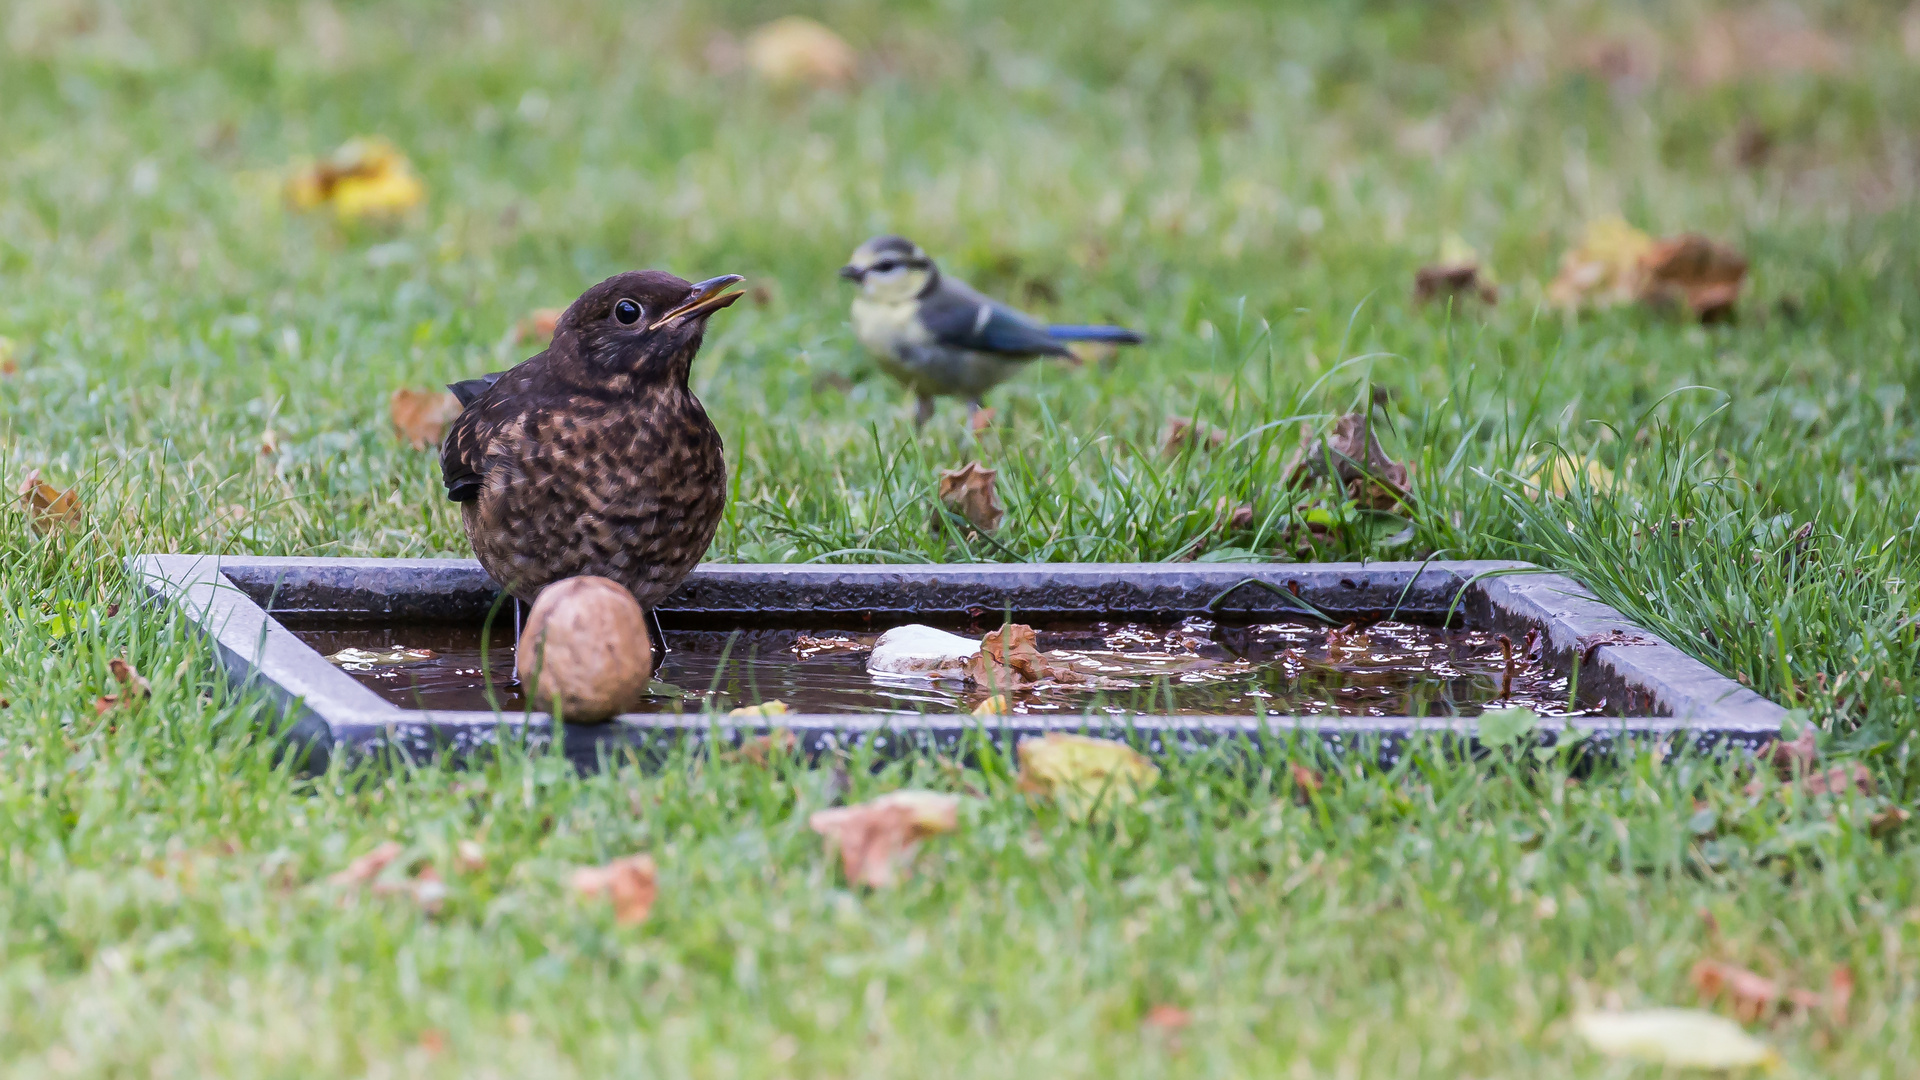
1084	774
775	707
1558	475
796	50
1686	1038
365	177
1604	268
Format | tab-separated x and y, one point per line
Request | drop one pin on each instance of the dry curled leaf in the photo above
1354	455
1180	433
1010	658
1788	758
969	492
365	177
538	325
980	420
795	51
1453	281
1883	824
420	417
1683	1038
1083	774
628	882
48	508
367	867
994	705
877	838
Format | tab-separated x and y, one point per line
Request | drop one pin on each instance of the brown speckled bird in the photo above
594	457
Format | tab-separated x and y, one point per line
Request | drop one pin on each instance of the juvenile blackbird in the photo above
594	457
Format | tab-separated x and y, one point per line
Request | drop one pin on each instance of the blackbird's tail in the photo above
1112	335
468	391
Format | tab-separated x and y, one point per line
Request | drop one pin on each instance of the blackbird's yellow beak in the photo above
706	298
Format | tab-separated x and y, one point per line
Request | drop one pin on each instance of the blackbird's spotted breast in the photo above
594	457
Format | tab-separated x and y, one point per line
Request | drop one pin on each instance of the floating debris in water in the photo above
807	645
368	659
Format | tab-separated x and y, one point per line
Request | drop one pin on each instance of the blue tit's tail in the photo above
1112	335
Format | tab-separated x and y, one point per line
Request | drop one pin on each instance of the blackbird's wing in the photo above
493	404
958	316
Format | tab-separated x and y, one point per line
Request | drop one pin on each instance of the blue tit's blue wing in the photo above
959	317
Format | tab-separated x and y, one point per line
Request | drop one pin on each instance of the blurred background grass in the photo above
1251	184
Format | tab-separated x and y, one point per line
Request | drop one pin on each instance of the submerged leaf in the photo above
1686	1038
877	838
1083	774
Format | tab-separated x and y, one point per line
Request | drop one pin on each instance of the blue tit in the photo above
938	336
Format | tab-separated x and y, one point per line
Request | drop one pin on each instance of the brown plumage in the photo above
594	457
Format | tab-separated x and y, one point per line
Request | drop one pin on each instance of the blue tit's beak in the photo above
851	273
706	298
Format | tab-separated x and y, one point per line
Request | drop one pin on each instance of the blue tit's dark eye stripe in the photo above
627	312
886	266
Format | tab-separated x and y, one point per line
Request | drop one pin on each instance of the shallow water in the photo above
1196	667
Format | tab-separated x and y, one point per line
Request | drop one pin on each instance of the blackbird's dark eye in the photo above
627	312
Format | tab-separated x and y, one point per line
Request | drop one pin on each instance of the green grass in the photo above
1251	184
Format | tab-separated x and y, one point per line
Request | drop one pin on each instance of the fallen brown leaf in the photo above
538	325
1166	1019
1455	281
420	417
1693	272
762	749
1084	774
629	882
1882	824
1753	997
1180	433
134	688
367	867
969	492
1761	40
1306	782
1356	458
1788	758
795	50
48	508
877	838
980	420
1010	658
1840	779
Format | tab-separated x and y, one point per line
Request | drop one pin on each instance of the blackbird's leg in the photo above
657	636
922	411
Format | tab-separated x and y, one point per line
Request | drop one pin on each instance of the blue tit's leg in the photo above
922	411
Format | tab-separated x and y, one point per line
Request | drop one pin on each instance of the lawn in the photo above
1253	185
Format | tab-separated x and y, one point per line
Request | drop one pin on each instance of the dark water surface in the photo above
1195	667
